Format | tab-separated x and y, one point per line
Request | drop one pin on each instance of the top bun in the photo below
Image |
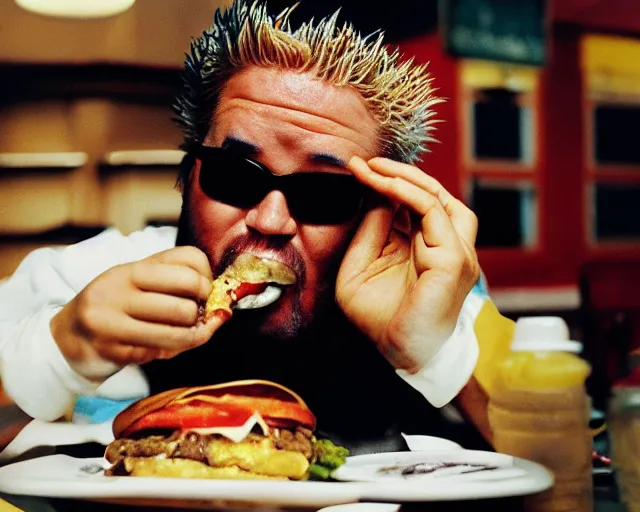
241	388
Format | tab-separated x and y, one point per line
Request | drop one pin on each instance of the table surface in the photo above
28	504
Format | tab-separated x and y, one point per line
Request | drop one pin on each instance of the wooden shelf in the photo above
61	160
143	158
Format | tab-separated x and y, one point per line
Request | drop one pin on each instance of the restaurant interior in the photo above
538	135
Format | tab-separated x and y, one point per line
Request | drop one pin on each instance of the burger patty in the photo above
197	447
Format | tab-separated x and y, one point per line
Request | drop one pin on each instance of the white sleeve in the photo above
33	371
452	366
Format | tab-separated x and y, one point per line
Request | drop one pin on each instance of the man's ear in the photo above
402	221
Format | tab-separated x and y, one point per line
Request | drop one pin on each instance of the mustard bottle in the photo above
539	410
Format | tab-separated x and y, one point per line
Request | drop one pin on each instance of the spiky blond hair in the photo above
398	93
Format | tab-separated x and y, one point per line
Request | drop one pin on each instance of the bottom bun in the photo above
185	468
212	456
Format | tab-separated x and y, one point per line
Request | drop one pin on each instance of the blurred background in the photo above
539	136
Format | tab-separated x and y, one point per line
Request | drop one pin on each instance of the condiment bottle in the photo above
539	410
623	420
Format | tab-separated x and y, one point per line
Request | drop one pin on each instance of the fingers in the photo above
181	271
160	308
437	227
121	329
463	219
368	242
123	355
412	174
138	342
185	256
212	323
171	279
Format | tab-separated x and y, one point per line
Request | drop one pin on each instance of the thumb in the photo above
212	323
204	331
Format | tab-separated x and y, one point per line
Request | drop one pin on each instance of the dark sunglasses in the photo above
312	197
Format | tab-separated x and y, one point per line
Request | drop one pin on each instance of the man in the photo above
377	332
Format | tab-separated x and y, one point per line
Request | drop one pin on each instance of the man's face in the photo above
291	123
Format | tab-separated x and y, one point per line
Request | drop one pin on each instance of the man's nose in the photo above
271	216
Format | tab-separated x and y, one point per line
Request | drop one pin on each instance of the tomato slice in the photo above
249	289
273	410
192	415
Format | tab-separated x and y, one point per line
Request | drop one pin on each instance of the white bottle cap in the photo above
543	333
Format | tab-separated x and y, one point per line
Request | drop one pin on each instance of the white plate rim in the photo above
317	494
526	477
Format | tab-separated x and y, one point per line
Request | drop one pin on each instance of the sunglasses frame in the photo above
344	193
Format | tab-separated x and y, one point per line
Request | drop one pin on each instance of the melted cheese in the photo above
236	434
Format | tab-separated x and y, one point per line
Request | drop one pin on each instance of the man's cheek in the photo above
330	243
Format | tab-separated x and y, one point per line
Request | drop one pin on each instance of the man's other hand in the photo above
411	264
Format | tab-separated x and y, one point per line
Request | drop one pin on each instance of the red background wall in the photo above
562	246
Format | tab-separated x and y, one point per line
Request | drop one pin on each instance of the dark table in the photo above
28	504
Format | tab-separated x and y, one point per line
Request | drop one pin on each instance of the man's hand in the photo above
137	312
410	265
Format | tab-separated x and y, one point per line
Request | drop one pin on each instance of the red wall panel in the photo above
561	248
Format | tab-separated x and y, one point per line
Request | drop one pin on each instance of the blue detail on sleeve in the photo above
481	287
93	409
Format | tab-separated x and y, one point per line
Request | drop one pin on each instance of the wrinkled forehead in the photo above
333	108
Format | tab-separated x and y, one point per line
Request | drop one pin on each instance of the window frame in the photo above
526	98
503	172
595	172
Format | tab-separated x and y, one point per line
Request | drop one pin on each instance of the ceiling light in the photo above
76	8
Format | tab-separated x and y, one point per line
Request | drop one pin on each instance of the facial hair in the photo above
287	254
255	321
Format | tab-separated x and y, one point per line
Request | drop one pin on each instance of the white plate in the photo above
363	507
61	476
444	475
42	433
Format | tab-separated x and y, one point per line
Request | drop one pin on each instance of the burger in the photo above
250	429
249	282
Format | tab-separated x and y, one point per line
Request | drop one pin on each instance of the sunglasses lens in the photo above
324	198
231	180
312	198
